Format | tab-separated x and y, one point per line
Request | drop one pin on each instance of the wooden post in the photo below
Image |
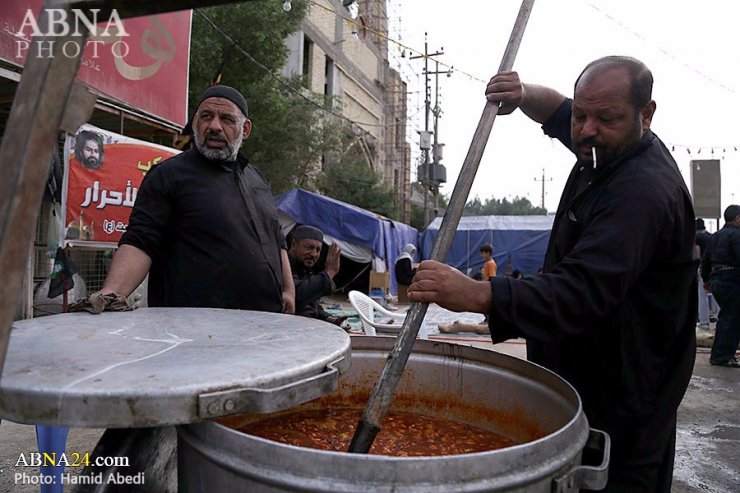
380	399
46	100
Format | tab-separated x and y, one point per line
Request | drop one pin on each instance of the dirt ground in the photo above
707	448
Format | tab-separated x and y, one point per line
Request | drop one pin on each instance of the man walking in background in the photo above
720	267
702	242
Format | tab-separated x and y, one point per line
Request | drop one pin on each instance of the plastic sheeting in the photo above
521	239
359	230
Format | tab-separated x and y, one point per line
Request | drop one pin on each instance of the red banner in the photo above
103	172
144	66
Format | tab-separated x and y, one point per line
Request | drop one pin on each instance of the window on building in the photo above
307	53
398	133
330	78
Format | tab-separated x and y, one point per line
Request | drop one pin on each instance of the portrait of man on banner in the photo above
103	173
89	149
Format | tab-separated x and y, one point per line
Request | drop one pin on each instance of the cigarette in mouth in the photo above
593	155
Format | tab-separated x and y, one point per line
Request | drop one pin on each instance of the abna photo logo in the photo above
62	23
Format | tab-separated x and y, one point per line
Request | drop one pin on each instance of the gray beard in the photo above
227	153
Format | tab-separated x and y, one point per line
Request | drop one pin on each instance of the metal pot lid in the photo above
164	366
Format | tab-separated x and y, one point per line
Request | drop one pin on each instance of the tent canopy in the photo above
521	239
350	224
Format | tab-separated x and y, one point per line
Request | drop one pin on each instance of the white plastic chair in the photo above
367	308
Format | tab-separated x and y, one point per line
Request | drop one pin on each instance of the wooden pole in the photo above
46	100
382	395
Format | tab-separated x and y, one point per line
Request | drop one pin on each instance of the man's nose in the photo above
215	124
590	128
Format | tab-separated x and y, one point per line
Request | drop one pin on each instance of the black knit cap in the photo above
226	92
306	232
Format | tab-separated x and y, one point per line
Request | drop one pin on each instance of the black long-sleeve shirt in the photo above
722	256
212	233
309	288
615	311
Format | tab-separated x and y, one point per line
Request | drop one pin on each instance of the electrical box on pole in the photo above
437	174
438	152
425	140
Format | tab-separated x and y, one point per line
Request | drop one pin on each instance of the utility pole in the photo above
543	180
435	179
426	177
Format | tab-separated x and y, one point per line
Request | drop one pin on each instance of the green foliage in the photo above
291	133
259	28
417	217
287	145
282	131
348	176
443	202
520	206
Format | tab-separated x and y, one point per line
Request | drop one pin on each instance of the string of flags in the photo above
710	151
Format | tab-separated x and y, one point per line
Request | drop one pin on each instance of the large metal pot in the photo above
479	387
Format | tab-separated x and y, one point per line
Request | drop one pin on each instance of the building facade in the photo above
347	59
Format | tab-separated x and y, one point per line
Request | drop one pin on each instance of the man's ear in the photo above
646	115
247	128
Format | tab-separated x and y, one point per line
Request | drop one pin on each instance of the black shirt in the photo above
309	288
615	311
722	258
703	237
212	233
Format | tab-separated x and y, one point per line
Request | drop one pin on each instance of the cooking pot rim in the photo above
522	447
550	379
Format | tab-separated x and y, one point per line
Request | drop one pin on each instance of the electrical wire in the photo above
662	50
401	45
280	81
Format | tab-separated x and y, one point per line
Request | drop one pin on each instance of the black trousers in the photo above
642	458
726	291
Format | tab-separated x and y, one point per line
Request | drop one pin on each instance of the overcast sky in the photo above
691	48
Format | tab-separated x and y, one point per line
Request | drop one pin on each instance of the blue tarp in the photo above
346	222
523	239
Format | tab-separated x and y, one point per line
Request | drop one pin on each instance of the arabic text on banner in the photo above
103	173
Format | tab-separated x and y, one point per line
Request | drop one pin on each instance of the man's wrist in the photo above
328	275
483	297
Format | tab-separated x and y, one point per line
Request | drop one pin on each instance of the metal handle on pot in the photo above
587	477
236	401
